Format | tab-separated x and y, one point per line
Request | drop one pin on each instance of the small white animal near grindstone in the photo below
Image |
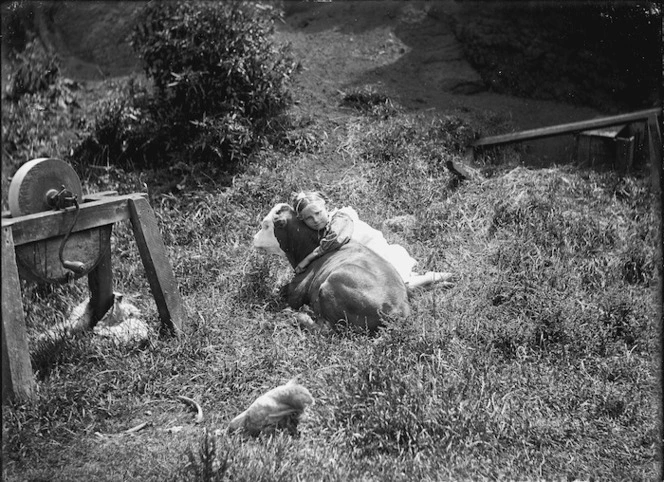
122	323
281	407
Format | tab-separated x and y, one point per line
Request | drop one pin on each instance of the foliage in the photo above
36	114
37	71
123	133
216	91
18	24
586	54
218	83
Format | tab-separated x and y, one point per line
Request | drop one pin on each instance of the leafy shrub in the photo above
35	112
218	80
124	133
23	133
37	71
17	26
220	51
584	54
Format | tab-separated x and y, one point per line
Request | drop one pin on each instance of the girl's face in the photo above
315	215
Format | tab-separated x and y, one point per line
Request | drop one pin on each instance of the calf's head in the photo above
284	234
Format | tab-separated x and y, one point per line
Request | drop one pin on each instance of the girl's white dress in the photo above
374	240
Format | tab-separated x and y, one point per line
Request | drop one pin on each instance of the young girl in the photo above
339	226
334	229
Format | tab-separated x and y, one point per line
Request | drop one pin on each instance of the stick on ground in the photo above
193	403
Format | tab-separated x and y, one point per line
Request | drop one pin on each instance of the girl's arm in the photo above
339	231
316	253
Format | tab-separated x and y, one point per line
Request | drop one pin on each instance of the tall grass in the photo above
539	364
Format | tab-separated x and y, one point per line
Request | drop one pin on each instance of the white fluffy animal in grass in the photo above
122	323
281	407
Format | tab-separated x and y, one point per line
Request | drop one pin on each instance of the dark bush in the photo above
36	71
123	135
601	54
217	89
19	20
35	104
218	79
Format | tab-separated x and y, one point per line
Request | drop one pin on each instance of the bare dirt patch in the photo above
408	51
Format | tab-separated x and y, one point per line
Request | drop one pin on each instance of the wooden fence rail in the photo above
572	127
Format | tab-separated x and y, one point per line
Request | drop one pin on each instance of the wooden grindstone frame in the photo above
30	245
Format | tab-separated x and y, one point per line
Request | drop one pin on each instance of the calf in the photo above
352	285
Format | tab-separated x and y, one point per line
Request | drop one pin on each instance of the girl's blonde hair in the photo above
302	199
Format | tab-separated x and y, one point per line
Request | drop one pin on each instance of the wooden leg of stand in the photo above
100	280
655	153
17	378
157	266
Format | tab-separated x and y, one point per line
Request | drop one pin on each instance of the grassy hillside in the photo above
541	363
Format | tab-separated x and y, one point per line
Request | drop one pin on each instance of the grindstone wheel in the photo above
34	179
28	194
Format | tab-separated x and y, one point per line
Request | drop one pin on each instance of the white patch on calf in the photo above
265	239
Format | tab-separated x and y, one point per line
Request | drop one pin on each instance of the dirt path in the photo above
407	50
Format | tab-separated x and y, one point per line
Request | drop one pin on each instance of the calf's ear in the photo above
281	217
279	221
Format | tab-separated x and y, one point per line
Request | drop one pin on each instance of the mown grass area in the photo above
541	363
